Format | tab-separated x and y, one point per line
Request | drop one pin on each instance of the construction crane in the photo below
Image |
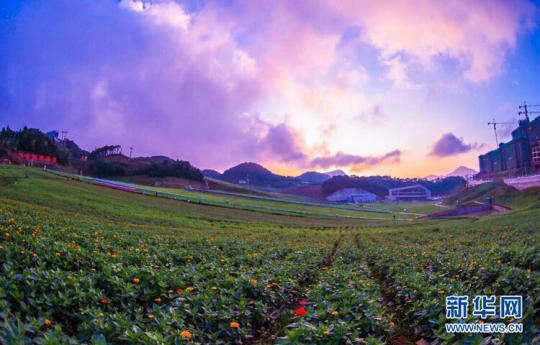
494	124
526	110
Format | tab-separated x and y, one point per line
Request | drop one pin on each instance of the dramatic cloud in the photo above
357	162
476	34
184	80
152	78
282	144
450	145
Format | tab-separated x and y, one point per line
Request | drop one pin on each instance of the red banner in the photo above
36	157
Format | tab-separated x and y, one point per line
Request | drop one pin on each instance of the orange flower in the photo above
136	280
157	300
300	311
185	334
57	254
190	288
234	324
47	322
254	282
151	316
441	292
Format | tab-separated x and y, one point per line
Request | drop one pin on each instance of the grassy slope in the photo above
262	204
54	192
500	193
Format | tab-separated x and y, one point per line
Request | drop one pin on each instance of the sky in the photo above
402	87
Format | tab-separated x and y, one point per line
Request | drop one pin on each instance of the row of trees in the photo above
175	168
32	140
98	164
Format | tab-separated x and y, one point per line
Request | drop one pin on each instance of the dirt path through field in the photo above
402	335
283	316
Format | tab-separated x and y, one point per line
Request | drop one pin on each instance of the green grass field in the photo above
86	264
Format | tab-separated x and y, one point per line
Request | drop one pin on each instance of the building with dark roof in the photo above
519	156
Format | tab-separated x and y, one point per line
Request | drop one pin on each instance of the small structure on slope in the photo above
409	193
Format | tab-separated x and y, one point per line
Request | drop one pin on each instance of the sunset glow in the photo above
404	88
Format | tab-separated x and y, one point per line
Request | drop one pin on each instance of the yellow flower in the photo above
326	332
186	334
353	273
350	282
69	277
498	262
214	288
234	324
57	254
254	282
334	313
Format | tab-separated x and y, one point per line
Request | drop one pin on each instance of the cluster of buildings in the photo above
360	196
519	156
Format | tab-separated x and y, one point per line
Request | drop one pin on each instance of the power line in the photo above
526	111
494	124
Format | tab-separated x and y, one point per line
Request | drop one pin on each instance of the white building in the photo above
409	193
354	195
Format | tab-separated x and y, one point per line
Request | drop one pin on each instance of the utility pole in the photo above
63	137
130	151
494	124
526	110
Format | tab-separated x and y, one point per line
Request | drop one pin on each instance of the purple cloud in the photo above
124	77
450	145
341	159
181	80
282	144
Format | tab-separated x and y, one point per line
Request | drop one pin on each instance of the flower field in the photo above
84	264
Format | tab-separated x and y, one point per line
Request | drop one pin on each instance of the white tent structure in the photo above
409	193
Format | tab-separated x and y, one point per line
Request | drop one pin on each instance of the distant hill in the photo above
337	172
211	173
256	175
459	171
379	185
462	171
313	177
